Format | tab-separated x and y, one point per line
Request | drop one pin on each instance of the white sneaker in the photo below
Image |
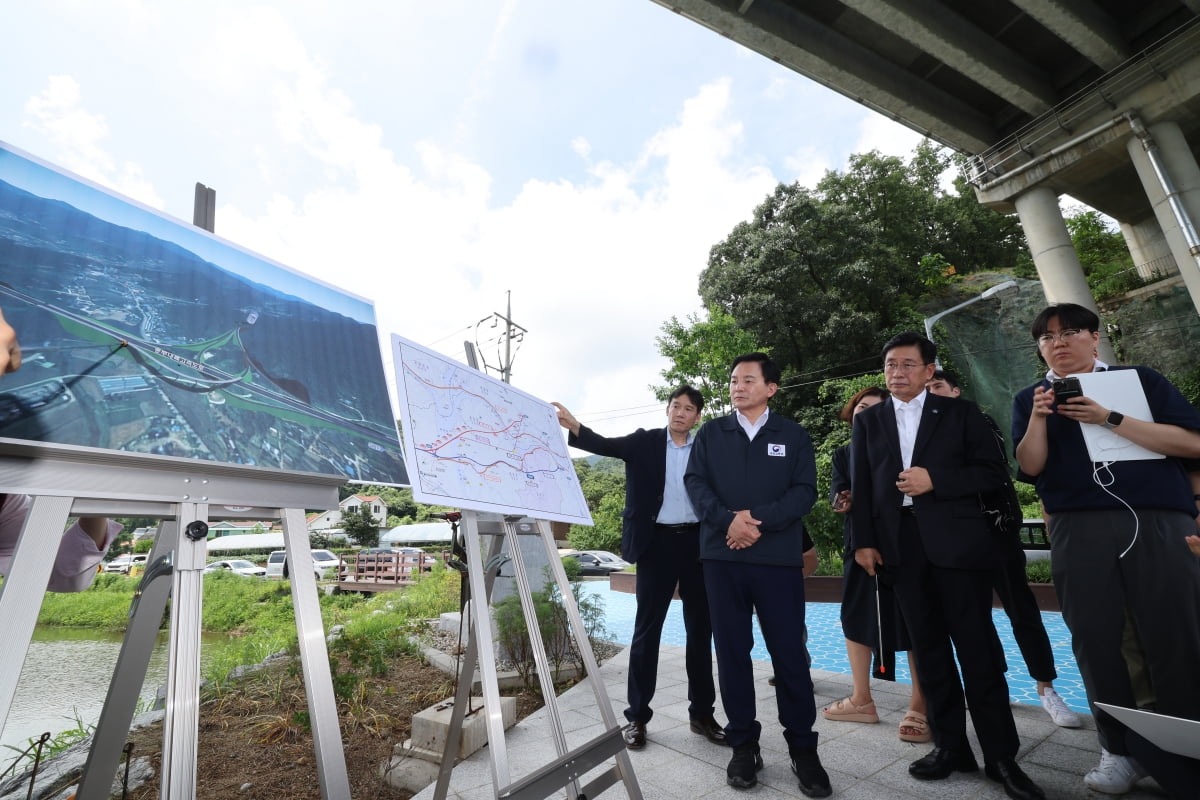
1114	774
1057	709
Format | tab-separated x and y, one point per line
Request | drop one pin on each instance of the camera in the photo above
1066	388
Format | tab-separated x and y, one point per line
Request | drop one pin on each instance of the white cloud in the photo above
58	114
877	132
808	165
594	267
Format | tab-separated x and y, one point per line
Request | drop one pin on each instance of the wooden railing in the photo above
396	568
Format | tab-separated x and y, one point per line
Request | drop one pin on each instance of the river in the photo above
66	675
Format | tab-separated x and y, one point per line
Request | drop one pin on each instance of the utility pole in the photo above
204	208
512	332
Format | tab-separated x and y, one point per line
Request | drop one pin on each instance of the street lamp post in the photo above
999	290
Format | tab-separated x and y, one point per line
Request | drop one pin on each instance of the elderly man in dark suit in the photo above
919	462
661	534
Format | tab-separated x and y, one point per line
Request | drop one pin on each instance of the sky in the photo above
440	159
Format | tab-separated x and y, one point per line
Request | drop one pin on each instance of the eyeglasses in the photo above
907	366
1065	336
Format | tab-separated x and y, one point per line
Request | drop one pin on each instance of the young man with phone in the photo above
1118	534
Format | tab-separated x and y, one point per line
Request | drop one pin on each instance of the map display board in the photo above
474	442
144	334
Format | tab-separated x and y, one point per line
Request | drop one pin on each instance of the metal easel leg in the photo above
482	637
25	586
624	767
466	674
145	617
314	658
533	627
181	727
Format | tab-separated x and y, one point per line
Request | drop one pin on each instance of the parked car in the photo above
238	566
597	562
324	564
611	559
123	562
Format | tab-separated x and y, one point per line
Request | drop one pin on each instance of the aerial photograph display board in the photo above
474	442
144	334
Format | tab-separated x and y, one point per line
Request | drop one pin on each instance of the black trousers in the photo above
672	559
1012	587
738	591
949	611
1109	567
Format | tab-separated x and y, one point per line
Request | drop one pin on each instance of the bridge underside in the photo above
1098	99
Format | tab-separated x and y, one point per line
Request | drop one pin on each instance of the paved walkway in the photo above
864	761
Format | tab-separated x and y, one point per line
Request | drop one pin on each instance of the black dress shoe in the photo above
709	729
940	763
634	735
1017	784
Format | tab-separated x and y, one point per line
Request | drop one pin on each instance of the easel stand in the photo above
185	494
570	766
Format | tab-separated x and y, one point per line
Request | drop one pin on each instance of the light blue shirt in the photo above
676	507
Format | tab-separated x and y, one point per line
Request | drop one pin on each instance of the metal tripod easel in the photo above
571	765
185	494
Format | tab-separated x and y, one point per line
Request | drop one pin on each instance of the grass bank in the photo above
257	616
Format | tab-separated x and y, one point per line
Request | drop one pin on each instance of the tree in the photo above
359	525
701	352
605	532
820	278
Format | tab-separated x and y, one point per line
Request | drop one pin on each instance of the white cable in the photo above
1103	483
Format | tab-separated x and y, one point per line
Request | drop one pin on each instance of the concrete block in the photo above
410	774
431	727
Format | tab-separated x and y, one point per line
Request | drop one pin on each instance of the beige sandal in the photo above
915	721
845	710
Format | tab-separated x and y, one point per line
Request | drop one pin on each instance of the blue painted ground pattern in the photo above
828	646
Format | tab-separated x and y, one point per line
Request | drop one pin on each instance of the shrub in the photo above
1039	572
561	647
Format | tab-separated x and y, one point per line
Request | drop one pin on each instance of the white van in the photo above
325	564
122	563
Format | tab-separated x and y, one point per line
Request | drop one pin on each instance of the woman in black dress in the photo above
864	606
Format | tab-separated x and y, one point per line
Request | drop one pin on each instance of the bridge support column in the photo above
1149	248
1054	256
1171	180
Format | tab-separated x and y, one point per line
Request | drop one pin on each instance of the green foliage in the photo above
359	525
551	615
1188	383
700	353
104	606
1031	505
605	533
1039	571
821	278
603	484
319	541
573	569
55	746
1102	253
599	478
143	546
234	603
434	593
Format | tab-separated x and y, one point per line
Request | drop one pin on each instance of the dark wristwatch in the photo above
1113	419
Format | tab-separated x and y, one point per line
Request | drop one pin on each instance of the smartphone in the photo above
1066	388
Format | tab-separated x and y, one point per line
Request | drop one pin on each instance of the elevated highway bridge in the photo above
1098	99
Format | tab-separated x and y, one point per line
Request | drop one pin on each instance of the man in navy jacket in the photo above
661	535
752	477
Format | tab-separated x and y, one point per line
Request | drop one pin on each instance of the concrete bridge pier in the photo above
1172	186
1054	256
